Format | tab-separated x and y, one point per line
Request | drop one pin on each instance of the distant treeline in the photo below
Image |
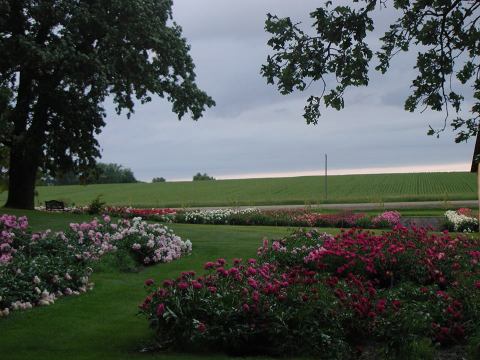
101	174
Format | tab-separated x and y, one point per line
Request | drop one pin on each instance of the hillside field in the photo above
375	188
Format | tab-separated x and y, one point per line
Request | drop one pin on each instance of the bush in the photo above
37	268
403	290
96	206
461	221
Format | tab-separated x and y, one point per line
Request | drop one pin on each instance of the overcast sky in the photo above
253	131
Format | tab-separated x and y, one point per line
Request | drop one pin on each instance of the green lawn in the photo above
102	324
376	188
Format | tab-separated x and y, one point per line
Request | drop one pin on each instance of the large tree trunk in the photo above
476	168
26	149
22	175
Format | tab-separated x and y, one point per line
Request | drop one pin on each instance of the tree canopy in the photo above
158	179
61	59
202	177
445	33
101	173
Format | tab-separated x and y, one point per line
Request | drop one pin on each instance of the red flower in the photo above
201	328
396	304
149	282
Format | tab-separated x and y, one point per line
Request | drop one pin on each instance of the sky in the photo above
256	132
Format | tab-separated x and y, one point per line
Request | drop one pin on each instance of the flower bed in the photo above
336	294
159	214
254	216
37	268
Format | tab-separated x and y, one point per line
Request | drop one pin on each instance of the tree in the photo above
444	32
62	58
113	174
158	179
3	168
202	177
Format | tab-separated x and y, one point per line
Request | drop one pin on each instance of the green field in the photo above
103	324
376	188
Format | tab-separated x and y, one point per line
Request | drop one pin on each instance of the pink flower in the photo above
252	282
477	284
245	307
209	265
167	283
160	309
196	284
212	289
149	282
182	285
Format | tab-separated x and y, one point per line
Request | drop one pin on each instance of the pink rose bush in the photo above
38	268
337	294
387	219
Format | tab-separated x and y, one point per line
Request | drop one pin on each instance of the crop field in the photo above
377	188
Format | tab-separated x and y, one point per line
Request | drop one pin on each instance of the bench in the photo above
54	205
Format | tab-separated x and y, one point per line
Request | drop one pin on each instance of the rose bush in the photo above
337	294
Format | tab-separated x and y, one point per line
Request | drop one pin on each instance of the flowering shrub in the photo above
387	219
336	294
148	243
37	268
345	219
461	220
10	227
218	216
162	214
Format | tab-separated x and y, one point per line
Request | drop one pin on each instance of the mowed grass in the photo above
103	324
377	188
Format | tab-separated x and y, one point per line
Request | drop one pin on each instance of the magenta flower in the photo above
160	309
252	282
182	285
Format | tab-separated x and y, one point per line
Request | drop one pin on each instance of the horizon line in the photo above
452	167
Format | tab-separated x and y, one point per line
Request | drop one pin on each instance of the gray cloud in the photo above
253	129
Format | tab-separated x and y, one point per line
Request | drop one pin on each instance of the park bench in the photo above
54	205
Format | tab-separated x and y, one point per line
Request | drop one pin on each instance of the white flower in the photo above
36	280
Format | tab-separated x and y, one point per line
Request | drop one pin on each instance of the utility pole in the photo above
326	188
